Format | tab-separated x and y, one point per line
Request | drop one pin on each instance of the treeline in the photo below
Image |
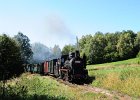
42	53
108	47
99	48
14	51
17	51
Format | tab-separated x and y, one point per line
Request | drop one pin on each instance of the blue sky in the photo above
60	21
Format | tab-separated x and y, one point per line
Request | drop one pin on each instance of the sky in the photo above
59	21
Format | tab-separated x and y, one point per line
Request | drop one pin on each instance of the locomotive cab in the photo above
73	67
78	67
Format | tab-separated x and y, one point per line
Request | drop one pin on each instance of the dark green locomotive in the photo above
74	67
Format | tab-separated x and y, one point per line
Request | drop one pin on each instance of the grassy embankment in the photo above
121	76
36	87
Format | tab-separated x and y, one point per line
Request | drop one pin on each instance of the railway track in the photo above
88	88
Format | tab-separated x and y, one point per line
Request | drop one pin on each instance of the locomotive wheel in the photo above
70	78
65	78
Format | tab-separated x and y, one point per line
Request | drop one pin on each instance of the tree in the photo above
56	51
68	48
25	47
97	45
137	44
110	51
84	43
40	53
10	56
125	45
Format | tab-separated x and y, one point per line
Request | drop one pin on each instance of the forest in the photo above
17	51
98	48
108	47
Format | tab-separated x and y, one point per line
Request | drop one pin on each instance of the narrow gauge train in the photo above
69	67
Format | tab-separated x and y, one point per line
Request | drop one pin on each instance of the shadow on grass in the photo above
32	97
89	80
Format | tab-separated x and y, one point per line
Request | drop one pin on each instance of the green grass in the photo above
122	76
36	87
116	64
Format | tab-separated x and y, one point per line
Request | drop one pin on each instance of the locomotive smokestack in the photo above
77	43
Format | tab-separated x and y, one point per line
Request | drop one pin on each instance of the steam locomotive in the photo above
68	67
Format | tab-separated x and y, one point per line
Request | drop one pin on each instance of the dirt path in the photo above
112	95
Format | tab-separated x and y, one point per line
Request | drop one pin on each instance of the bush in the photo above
138	55
10	57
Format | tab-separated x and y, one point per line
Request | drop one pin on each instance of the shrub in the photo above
10	57
138	55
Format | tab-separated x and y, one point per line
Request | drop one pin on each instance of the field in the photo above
121	76
36	87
